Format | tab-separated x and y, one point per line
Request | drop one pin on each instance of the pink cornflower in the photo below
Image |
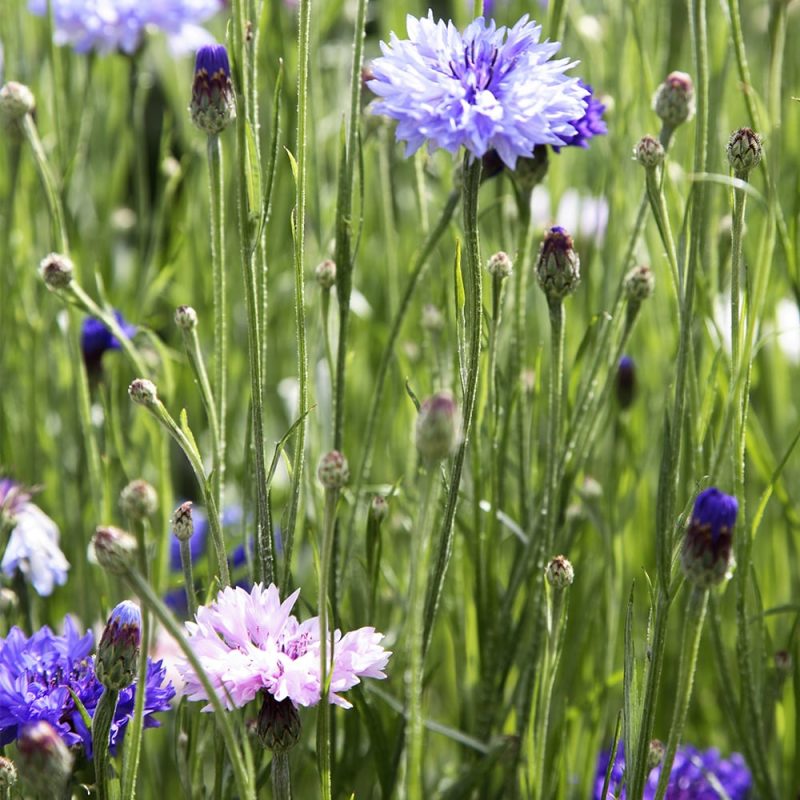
249	642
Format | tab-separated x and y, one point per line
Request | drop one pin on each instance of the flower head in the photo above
32	548
249	642
96	339
102	26
589	125
486	88
213	107
38	673
706	552
692	774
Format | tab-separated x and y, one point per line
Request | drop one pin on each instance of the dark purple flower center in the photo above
478	70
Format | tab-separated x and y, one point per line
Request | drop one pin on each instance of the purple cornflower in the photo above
706	552
37	674
488	88
102	26
694	776
32	547
96	339
250	643
590	124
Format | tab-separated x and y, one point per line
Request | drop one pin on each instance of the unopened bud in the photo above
114	549
138	500
437	428
744	151
16	100
530	172
558	268
674	99
639	283
379	508
333	471
213	106
9	602
625	382
118	651
499	265
278	724
45	761
56	271
655	753
326	273
783	663
186	318
559	573
706	552
649	152
143	392
182	522
8	773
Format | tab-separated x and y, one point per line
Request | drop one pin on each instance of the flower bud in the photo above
143	392
333	471
530	172
432	318
379	508
186	318
278	724
182	523
491	165
8	773
783	663
649	152
9	602
114	549
559	573
56	271
639	284
437	428
213	106
558	268
118	651
499	265
326	273
744	151
138	500
45	762
674	99
706	552
16	100
655	753
625	382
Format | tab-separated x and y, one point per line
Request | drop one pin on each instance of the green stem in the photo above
188	578
101	727
324	714
658	205
415	781
217	213
692	630
299	277
474	322
555	404
242	777
281	776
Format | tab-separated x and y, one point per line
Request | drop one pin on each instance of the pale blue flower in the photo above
108	25
488	88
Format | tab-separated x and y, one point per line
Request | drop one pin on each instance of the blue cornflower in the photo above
96	338
689	779
488	88
589	125
213	106
102	26
37	674
706	552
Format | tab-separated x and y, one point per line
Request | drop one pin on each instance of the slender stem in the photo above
415	788
299	268
101	727
281	776
242	778
217	213
188	579
555	404
474	321
658	204
692	630
324	714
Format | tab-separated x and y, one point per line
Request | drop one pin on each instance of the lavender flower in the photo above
695	776
250	643
37	674
488	88
96	339
32	547
104	26
587	126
